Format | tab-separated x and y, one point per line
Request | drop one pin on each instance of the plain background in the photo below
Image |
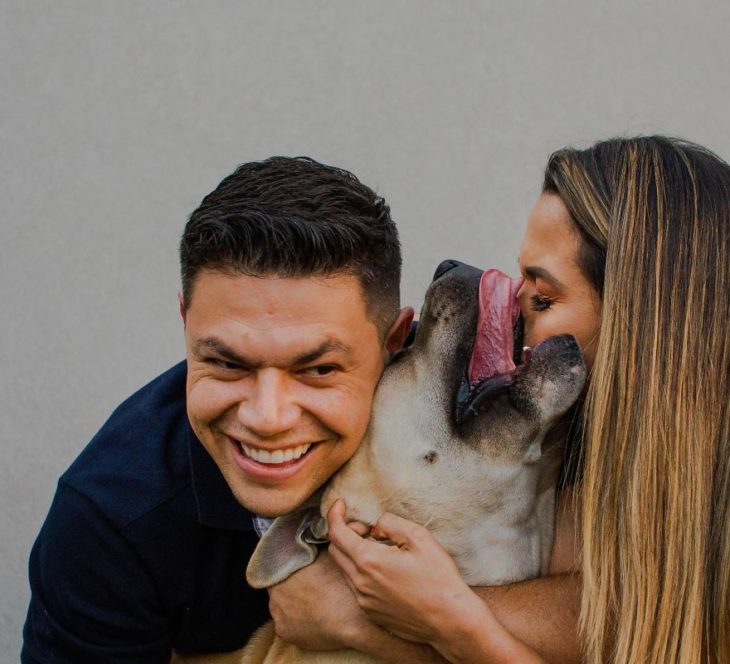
117	117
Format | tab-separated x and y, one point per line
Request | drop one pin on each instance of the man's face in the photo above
281	375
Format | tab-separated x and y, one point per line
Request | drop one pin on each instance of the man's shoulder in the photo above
139	458
160	401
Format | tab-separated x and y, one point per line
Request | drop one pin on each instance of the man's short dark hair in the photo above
295	217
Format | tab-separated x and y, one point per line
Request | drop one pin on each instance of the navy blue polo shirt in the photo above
144	548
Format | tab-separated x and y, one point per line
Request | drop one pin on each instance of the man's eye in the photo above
540	303
227	366
320	370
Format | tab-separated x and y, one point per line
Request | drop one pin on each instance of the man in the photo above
290	300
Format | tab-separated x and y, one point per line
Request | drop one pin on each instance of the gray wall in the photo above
116	118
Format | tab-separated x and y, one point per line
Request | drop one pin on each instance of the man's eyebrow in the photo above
225	351
329	346
219	347
536	272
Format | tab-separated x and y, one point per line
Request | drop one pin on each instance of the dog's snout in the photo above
444	267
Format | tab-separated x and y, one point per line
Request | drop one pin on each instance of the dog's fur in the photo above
484	484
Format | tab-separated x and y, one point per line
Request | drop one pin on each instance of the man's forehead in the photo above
280	317
337	278
276	293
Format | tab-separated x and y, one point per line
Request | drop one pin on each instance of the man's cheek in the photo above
209	398
199	411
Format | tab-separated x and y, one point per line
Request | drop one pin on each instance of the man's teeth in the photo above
276	456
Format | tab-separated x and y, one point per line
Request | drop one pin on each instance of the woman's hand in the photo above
412	588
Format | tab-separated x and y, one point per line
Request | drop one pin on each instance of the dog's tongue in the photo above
498	315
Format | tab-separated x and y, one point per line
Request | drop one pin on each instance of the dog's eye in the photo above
540	303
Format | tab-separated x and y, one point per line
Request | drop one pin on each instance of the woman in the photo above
628	249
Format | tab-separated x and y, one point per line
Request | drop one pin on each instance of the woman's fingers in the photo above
348	538
362	529
343	541
349	571
342	536
403	533
348	549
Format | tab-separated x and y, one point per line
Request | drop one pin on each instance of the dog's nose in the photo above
444	267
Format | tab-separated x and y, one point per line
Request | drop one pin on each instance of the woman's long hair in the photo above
654	215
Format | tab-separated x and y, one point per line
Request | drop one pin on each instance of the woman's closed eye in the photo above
540	302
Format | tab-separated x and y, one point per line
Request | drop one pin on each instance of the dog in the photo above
458	441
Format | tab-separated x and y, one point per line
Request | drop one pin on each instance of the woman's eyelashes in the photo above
540	302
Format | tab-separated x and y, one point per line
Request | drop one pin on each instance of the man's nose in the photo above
269	409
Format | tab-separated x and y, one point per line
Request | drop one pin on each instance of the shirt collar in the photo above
217	507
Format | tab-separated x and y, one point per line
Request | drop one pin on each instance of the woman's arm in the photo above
542	613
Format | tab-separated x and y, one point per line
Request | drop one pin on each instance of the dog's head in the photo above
462	412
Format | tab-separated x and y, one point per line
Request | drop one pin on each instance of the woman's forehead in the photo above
550	236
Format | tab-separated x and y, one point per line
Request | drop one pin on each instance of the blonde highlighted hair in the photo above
654	215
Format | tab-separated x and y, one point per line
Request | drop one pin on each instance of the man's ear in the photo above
183	310
399	330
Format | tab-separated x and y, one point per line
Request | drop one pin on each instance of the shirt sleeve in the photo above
92	599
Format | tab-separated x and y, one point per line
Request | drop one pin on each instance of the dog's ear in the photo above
289	544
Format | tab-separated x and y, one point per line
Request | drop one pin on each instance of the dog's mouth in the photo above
497	354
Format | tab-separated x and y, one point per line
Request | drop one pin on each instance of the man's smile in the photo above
272	465
278	456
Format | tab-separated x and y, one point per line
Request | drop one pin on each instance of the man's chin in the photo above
271	503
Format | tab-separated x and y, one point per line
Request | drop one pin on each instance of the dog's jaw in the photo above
358	486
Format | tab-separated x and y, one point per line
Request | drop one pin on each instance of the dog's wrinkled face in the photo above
504	412
435	437
452	446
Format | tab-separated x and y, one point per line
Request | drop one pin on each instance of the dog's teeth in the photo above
275	456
